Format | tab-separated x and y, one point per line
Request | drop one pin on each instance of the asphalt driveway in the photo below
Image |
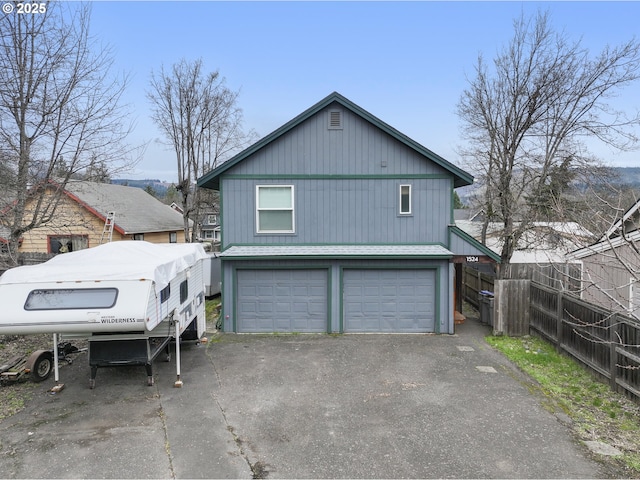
299	406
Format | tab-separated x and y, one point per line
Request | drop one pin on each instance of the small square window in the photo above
138	236
405	199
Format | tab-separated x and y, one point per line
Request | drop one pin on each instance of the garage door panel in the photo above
263	290
389	301
282	301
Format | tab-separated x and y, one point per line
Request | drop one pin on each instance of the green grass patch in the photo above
13	398
597	412
212	308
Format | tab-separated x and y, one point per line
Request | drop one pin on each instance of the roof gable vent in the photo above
335	119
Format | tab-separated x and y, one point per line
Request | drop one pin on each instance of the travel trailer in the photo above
129	299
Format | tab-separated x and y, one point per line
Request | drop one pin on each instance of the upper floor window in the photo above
274	209
212	219
405	200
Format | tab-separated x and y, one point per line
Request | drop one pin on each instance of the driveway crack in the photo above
258	469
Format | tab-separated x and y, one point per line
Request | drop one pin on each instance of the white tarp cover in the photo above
123	260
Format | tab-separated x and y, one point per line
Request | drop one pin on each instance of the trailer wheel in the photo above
40	364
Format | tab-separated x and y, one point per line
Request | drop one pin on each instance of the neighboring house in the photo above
611	266
468	215
210	228
541	252
79	221
544	242
336	222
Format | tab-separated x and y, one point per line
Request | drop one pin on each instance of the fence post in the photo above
511	307
559	320
613	354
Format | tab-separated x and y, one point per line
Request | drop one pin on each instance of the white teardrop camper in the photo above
129	299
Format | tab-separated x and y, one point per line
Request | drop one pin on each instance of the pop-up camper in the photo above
129	299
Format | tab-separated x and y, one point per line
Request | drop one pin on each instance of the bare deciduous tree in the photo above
59	111
201	121
527	119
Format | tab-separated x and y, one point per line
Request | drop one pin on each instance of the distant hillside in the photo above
629	176
159	187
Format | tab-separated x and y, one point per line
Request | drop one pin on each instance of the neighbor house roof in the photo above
623	232
629	223
212	179
135	211
544	242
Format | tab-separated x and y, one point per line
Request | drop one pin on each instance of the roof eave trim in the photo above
280	256
468	238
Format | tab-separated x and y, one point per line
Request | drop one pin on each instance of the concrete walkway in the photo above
299	406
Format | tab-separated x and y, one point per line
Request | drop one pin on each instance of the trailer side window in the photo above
71	298
184	291
165	293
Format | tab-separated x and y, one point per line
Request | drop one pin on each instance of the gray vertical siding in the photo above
359	148
346	186
607	283
330	211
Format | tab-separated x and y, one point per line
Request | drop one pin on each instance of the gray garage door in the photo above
282	301
392	301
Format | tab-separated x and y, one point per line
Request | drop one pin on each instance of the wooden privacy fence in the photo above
608	343
474	282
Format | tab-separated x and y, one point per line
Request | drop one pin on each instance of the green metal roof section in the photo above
430	251
475	243
211	179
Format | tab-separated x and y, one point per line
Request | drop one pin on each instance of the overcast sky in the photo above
405	62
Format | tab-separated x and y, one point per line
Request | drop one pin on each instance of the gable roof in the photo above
135	210
211	179
629	223
625	231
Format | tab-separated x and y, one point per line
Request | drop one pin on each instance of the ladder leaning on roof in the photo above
107	230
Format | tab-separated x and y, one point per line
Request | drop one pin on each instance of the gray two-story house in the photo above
337	222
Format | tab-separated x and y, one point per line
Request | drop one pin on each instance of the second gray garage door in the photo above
389	301
282	301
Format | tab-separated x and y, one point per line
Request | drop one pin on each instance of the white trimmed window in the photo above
405	200
274	209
